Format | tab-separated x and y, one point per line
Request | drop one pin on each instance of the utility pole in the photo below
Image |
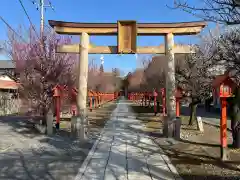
42	19
42	6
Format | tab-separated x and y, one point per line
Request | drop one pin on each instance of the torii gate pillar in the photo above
170	85
82	87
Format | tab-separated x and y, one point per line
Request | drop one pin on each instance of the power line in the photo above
25	11
5	22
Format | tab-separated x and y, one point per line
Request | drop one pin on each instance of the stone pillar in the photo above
73	126
82	87
50	122
170	85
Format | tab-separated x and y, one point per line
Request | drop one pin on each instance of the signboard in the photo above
127	37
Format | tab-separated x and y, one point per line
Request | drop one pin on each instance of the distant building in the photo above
8	78
8	83
7	66
9	97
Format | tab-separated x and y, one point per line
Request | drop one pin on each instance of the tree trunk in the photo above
208	104
193	113
235	126
234	108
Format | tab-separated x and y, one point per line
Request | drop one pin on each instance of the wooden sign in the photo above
127	37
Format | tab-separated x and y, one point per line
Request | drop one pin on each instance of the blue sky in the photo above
99	11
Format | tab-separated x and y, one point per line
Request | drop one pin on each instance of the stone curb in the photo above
214	124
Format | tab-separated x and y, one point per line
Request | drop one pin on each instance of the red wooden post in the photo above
90	100
163	91
225	86
223	124
96	100
178	95
58	105
155	101
177	107
58	99
225	91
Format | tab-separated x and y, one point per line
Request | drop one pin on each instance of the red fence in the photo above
147	97
65	98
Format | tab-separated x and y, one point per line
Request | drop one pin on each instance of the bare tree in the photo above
134	80
222	11
194	77
155	73
103	81
116	79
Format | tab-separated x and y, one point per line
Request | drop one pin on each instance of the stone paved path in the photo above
121	153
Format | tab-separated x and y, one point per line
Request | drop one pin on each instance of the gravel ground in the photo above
196	155
27	154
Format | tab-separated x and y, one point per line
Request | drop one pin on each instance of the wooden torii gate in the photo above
127	32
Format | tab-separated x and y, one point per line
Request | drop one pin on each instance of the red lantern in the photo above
225	90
